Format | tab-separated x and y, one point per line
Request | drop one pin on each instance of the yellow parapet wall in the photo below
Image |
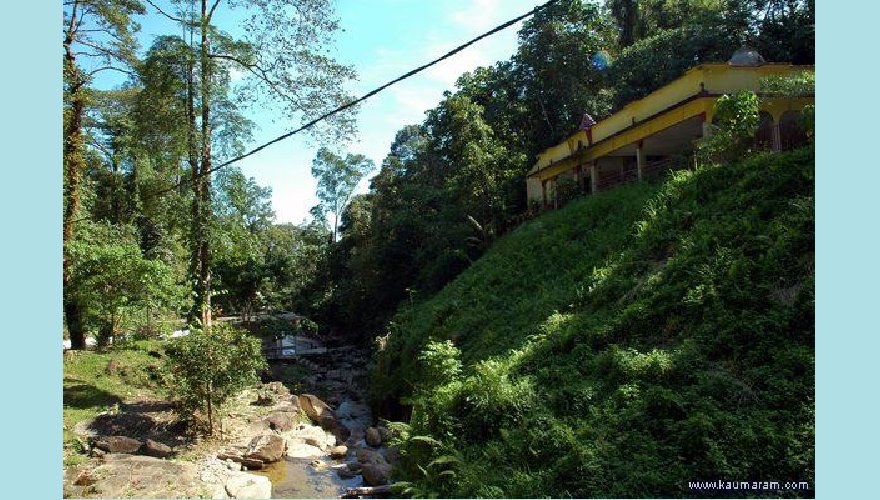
693	94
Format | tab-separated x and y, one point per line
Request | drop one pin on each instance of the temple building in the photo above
641	138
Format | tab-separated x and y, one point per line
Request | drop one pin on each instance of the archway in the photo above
791	130
764	135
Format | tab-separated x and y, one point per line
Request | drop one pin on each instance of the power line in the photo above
364	97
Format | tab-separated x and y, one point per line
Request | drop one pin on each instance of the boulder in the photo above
278	388
313	407
84	478
328	421
331	424
120	424
157	449
267	448
391	454
118	444
342	433
373	437
366	456
356	435
264	399
340	451
344	473
385	433
248	486
376	474
288	406
280	421
313	441
138	476
302	450
249	463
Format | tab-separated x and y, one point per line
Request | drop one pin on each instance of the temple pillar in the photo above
640	159
594	177
777	137
707	125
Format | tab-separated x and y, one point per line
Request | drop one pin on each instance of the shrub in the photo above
207	367
797	85
734	134
492	399
441	361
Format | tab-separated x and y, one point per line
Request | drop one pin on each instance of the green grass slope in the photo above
91	388
622	346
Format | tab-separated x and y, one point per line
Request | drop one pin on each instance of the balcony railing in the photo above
610	180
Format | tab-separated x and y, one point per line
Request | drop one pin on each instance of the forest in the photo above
668	362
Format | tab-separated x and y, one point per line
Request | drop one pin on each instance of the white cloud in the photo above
236	73
448	71
411	101
478	16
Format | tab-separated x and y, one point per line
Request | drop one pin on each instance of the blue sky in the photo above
381	39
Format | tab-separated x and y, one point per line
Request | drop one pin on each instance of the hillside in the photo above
622	346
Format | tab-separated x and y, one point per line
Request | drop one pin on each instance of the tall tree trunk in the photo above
116	200
134	202
74	165
626	13
195	226
205	276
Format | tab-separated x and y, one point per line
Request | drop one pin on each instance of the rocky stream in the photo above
306	432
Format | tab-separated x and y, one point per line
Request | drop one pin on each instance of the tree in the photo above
626	15
114	283
357	273
659	59
559	81
640	19
243	219
208	367
786	30
283	55
337	178
478	172
308	281
102	31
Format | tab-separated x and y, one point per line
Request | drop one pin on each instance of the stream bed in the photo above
300	478
338	378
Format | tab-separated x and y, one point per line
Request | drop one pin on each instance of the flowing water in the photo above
330	377
298	478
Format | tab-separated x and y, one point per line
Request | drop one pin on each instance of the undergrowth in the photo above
622	346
